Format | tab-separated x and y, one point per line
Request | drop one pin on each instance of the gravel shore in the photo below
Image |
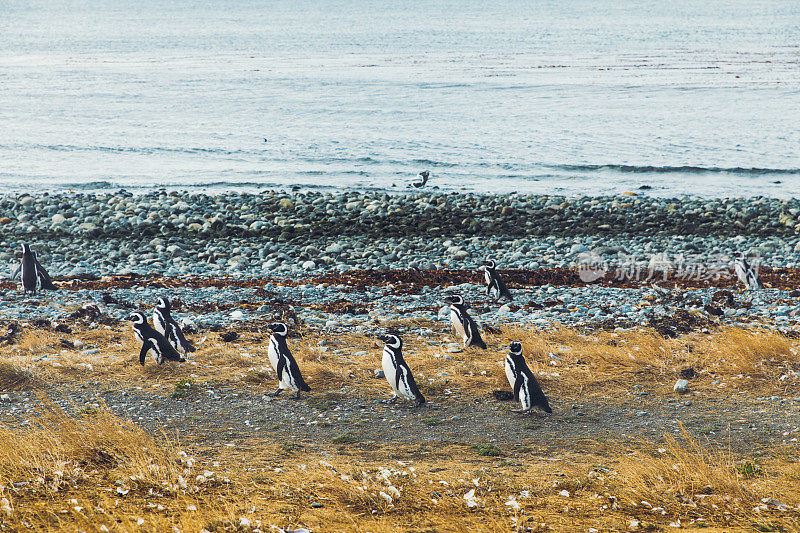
286	243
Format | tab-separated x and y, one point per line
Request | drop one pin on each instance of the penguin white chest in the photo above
159	322
389	369
458	326
487	277
510	374
272	352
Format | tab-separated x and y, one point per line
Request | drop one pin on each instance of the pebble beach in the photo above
249	256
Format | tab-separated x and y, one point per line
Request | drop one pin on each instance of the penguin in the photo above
153	340
746	274
167	326
31	281
283	363
34	275
526	389
463	324
421	180
493	281
397	372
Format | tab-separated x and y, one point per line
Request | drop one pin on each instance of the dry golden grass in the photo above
599	363
91	471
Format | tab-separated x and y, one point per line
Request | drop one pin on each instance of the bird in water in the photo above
421	180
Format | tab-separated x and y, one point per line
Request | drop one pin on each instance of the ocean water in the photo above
557	97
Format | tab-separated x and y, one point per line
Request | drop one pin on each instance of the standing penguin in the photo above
153	340
493	281
526	389
397	372
746	274
31	282
463	324
283	363
167	326
34	276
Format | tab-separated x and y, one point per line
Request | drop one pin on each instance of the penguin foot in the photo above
297	396
520	411
274	394
390	401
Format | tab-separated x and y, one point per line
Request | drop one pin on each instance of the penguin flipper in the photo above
281	367
518	385
298	377
143	352
412	385
502	289
537	396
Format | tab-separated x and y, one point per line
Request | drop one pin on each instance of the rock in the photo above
58	218
237	315
93	351
309	265
86	226
578	249
504	309
285	203
681	386
378	374
5	220
5	398
334	248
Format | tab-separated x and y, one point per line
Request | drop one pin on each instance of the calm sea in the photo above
567	96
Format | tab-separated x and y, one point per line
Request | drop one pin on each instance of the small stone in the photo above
5	398
681	386
93	351
5	220
317	505
285	203
378	375
58	218
309	265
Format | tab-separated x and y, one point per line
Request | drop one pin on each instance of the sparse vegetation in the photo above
488	450
183	388
605	483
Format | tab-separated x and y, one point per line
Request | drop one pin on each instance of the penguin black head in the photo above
515	348
425	174
26	248
391	340
163	303
138	318
489	264
279	328
454	299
